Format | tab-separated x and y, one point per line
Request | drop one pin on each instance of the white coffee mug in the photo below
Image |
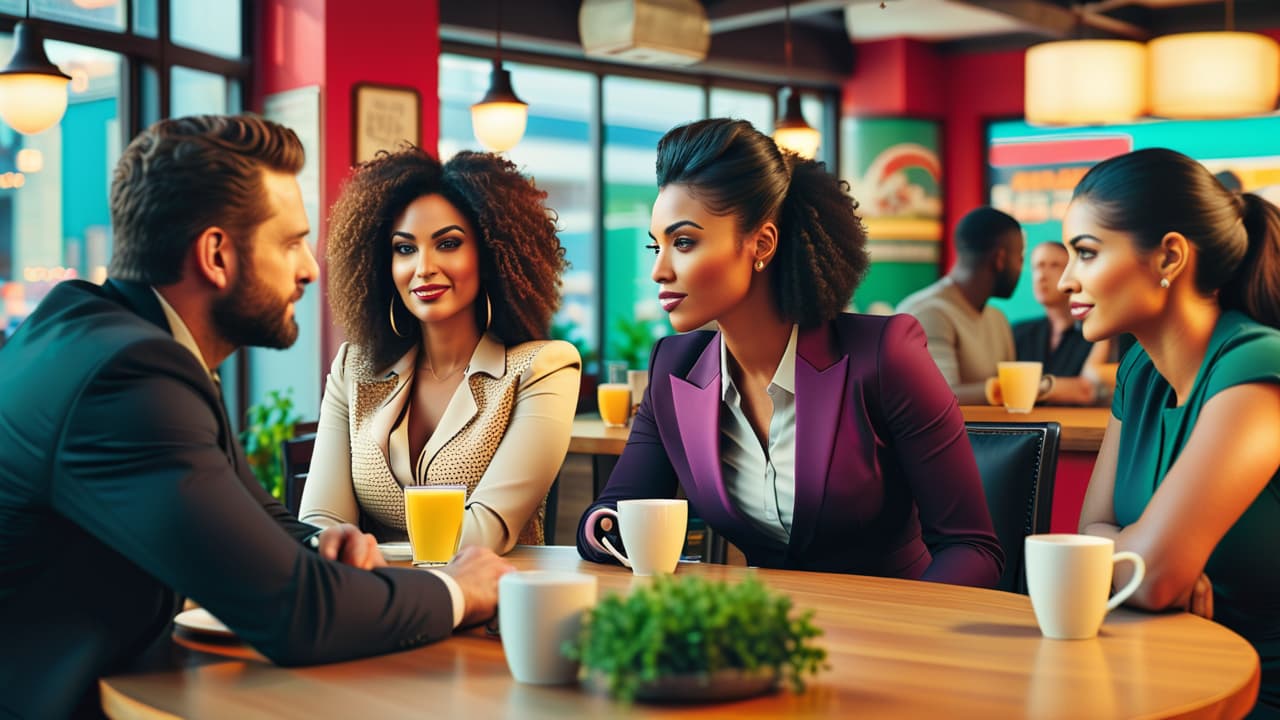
653	531
538	612
1069	579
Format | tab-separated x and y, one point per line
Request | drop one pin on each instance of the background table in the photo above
897	649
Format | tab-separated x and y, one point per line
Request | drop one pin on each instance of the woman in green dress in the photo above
1187	475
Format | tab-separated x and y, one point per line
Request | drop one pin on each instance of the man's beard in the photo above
251	315
1005	285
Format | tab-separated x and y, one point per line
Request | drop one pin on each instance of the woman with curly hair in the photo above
810	438
445	278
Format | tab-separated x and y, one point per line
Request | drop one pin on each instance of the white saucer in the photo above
396	551
199	620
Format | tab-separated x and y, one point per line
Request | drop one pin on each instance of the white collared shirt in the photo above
761	482
182	334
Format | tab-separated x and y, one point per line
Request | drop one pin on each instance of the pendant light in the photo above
33	91
1204	75
499	119
791	132
1085	82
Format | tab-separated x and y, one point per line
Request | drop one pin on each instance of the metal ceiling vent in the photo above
645	32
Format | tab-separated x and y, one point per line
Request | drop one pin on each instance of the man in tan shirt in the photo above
967	337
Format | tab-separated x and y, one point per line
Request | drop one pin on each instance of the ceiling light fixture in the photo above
791	132
33	91
499	119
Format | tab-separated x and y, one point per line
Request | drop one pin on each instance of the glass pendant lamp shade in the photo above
791	132
499	119
1213	75
33	91
1086	82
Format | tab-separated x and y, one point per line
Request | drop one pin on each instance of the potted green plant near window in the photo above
270	423
694	639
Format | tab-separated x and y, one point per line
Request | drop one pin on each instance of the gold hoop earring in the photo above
1164	283
394	329
759	265
488	311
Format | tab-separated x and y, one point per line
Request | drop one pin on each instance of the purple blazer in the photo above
886	482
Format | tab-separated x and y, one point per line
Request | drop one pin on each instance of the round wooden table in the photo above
897	649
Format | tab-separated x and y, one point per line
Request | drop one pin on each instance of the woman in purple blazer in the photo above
810	438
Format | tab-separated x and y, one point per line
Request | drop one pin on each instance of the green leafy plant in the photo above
631	340
694	626
270	424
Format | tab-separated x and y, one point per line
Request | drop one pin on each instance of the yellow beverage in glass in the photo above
1019	384
615	403
433	516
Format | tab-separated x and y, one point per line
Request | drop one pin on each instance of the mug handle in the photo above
607	546
1139	570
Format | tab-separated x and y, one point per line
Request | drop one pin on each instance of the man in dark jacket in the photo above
122	486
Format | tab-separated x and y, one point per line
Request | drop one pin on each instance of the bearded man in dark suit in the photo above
122	486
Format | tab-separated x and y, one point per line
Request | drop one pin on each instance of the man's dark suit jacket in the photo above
885	479
121	483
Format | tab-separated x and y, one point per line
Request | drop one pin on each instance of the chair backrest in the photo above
1017	462
296	456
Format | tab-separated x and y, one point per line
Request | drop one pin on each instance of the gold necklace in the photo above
446	376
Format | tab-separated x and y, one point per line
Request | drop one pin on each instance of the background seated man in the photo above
967	336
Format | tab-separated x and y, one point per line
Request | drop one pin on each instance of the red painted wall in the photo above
978	88
336	44
895	77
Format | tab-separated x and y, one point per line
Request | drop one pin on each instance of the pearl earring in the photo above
759	265
1164	283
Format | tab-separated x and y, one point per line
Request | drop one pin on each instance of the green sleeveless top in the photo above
1244	567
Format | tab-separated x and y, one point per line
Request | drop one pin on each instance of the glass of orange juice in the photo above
433	516
614	395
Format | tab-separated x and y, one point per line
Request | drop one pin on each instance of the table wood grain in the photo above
898	649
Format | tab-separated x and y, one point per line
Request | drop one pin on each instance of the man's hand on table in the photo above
476	570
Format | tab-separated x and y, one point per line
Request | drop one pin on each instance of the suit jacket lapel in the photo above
697	404
488	360
820	391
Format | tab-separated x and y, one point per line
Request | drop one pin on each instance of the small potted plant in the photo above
270	423
693	639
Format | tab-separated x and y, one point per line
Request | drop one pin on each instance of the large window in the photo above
591	144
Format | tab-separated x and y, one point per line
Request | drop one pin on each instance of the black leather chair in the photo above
296	457
1017	462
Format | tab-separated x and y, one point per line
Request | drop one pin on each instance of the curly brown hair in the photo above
521	257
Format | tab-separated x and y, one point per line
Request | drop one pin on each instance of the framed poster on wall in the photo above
384	116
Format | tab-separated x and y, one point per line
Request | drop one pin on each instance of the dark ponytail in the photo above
1150	193
823	248
737	170
1255	290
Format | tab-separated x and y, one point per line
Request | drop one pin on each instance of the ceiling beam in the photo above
729	15
1056	21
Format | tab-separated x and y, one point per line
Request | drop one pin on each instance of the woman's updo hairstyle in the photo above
736	170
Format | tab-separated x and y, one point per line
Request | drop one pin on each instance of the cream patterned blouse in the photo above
503	435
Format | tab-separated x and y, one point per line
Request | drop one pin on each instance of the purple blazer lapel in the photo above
697	409
820	391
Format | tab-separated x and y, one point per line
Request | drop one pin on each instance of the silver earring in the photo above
1164	283
759	265
394	329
